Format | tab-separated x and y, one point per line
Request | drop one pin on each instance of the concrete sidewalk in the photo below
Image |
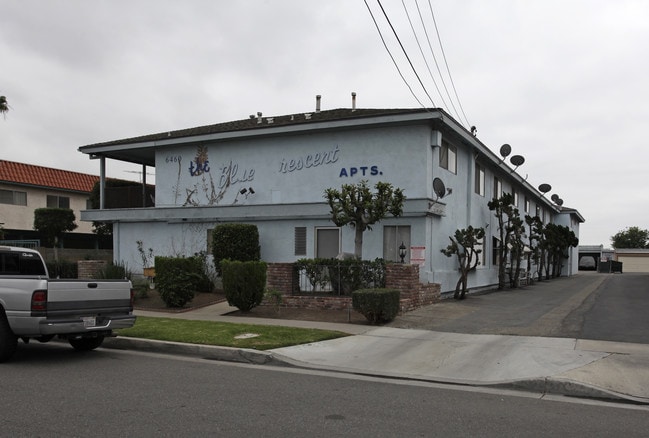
575	367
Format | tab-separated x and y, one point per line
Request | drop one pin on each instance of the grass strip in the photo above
258	337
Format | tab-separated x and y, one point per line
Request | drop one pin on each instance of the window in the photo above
479	179
448	157
393	237
20	263
527	205
498	188
13	197
495	247
58	201
479	245
300	241
515	195
538	211
327	242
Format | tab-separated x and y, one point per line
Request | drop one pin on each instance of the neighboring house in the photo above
633	259
26	187
273	171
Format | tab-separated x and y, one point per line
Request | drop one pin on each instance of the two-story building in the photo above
273	171
26	187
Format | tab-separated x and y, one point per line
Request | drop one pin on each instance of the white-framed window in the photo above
448	157
498	188
527	204
13	197
393	237
479	179
482	256
327	242
54	201
515	195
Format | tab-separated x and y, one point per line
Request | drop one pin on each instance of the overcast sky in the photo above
564	82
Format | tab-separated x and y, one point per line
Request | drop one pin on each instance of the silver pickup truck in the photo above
33	306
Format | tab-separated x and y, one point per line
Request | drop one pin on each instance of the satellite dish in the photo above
517	160
545	188
505	150
555	198
559	202
439	188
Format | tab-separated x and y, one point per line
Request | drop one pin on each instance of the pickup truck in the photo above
34	306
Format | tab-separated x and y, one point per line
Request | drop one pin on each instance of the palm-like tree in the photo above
4	106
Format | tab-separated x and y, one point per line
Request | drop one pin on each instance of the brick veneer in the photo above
405	278
87	269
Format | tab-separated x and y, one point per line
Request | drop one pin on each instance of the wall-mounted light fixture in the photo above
402	252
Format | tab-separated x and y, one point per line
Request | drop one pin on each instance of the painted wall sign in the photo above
360	170
201	163
230	175
310	160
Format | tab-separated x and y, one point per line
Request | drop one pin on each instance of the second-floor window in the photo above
448	157
498	188
13	197
58	201
479	179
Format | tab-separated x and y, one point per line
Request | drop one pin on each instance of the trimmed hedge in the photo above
179	278
377	305
235	242
244	283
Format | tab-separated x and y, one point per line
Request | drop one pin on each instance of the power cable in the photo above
405	52
446	62
422	54
432	52
392	57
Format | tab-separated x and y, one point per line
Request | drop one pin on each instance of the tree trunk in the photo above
358	243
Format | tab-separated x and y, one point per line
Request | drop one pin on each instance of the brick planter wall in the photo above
88	269
405	278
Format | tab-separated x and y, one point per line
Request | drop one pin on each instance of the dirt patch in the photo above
337	316
153	302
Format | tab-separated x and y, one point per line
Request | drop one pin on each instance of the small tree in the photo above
631	237
52	223
558	239
355	205
537	244
505	210
463	245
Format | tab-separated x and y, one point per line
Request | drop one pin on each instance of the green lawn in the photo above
224	334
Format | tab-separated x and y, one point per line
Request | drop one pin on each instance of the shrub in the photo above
345	275
244	283
235	242
377	305
115	271
62	269
179	278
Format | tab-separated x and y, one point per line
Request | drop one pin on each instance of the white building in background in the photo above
273	171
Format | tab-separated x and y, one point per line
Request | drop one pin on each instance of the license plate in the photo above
89	321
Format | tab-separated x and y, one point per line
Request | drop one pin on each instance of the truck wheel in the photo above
86	344
8	341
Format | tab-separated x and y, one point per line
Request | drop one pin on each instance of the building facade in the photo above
273	171
26	187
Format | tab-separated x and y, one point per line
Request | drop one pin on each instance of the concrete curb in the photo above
239	355
547	385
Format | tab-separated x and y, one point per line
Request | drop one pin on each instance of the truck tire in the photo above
86	344
8	341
